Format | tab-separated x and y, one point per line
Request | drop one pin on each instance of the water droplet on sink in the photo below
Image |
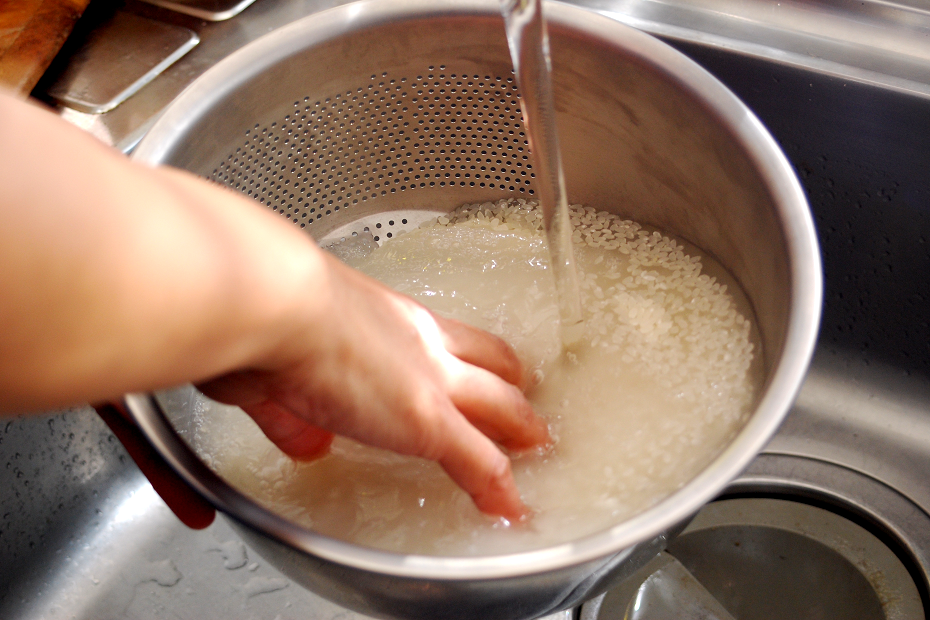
164	573
233	552
263	585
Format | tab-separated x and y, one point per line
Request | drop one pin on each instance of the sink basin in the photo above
85	536
82	534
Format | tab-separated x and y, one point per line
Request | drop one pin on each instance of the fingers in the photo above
479	348
476	465
235	388
497	409
295	437
470	375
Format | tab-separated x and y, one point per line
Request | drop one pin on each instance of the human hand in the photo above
373	365
126	278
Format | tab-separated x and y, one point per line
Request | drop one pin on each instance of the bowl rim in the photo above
777	397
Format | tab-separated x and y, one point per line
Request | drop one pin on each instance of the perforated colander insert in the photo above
438	129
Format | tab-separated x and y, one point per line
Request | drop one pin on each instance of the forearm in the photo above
120	277
115	277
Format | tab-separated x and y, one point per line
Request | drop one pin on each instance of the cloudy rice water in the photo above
663	379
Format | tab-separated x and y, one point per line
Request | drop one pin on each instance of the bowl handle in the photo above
184	502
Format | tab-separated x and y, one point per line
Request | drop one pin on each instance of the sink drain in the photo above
763	558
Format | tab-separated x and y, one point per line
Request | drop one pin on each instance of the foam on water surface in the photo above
662	380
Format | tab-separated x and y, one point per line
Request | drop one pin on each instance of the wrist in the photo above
276	281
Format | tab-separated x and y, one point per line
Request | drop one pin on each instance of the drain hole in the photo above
763	557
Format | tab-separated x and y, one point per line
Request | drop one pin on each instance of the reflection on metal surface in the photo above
87	122
885	512
869	41
72	548
117	59
767	558
882	415
210	10
672	593
127	123
873	41
136	505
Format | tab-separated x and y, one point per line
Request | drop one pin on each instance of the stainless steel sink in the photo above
85	536
82	535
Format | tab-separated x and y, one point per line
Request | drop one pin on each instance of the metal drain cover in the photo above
771	559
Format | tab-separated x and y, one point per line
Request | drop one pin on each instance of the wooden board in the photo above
31	33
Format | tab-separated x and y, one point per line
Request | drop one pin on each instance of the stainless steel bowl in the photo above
364	113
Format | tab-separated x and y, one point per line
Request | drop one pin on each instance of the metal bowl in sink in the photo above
645	133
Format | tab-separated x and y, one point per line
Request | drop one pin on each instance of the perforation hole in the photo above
441	128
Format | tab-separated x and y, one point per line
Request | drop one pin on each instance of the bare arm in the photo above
117	277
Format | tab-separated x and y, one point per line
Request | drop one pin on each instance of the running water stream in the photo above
529	49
